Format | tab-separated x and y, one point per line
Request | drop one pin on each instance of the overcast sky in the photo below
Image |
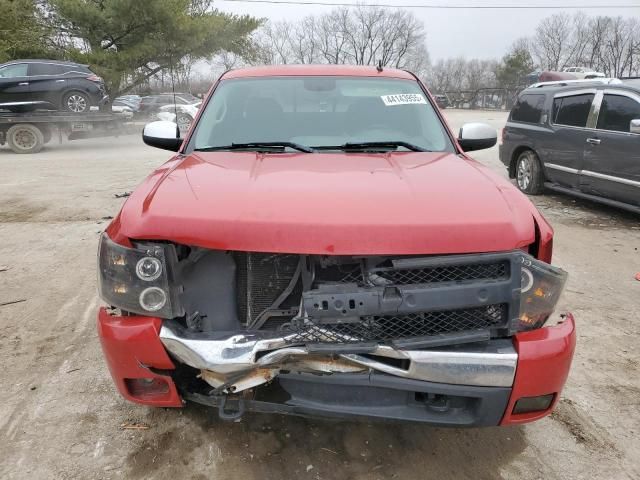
473	33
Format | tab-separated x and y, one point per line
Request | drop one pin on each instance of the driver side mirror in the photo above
477	136
634	126
162	134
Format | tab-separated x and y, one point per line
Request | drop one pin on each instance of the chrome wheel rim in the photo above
184	123
525	171
76	103
24	139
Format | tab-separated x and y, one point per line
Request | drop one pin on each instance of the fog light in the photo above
141	387
148	268
153	299
533	404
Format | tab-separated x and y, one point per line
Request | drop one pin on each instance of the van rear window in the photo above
528	109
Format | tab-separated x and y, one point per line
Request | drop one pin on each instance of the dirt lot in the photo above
60	416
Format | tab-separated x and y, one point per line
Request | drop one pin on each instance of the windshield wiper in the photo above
386	145
259	146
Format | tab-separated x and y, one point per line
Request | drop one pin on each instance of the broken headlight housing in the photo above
541	287
137	280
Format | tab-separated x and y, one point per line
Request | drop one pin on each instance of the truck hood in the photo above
329	203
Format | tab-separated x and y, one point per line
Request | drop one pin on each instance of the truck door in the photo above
563	153
612	153
14	85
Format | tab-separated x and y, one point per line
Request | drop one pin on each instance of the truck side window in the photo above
528	109
572	110
616	113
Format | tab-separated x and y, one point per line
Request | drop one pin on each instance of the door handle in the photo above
57	81
593	141
22	84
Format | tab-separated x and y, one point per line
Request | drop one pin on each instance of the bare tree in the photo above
358	35
607	44
620	46
551	42
367	35
454	74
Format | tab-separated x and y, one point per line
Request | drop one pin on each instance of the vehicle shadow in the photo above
577	211
279	447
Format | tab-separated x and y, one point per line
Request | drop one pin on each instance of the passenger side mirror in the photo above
477	136
162	134
634	126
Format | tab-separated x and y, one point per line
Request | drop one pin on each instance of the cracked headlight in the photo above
137	279
541	287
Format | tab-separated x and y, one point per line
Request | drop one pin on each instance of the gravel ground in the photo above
60	416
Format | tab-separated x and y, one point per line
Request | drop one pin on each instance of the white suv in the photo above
583	72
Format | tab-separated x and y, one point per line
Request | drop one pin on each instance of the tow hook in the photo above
234	411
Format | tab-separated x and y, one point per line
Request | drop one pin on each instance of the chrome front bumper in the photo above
241	361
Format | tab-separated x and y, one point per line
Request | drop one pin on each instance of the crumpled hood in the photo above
329	203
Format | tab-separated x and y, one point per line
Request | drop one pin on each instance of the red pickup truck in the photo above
320	244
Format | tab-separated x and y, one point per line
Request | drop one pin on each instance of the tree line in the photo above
610	45
132	44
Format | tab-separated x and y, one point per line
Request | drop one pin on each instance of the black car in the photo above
51	85
580	137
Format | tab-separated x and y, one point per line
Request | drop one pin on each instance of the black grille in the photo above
394	327
260	279
431	274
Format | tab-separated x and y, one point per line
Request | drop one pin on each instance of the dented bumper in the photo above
465	385
231	362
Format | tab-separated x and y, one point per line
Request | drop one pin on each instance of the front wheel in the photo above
529	173
76	102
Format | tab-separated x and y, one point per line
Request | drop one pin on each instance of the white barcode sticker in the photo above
403	99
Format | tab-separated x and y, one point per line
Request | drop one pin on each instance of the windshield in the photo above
320	112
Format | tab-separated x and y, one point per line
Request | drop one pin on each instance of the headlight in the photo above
541	287
148	269
137	279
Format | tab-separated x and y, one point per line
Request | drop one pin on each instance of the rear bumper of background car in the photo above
462	386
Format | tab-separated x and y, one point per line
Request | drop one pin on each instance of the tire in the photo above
76	102
529	178
25	138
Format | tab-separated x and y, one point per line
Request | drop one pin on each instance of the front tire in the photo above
529	173
25	138
76	102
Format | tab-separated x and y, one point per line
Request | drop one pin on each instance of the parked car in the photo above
131	101
151	104
583	72
121	106
441	100
49	84
185	114
321	244
577	138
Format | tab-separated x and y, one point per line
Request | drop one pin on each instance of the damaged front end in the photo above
420	338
